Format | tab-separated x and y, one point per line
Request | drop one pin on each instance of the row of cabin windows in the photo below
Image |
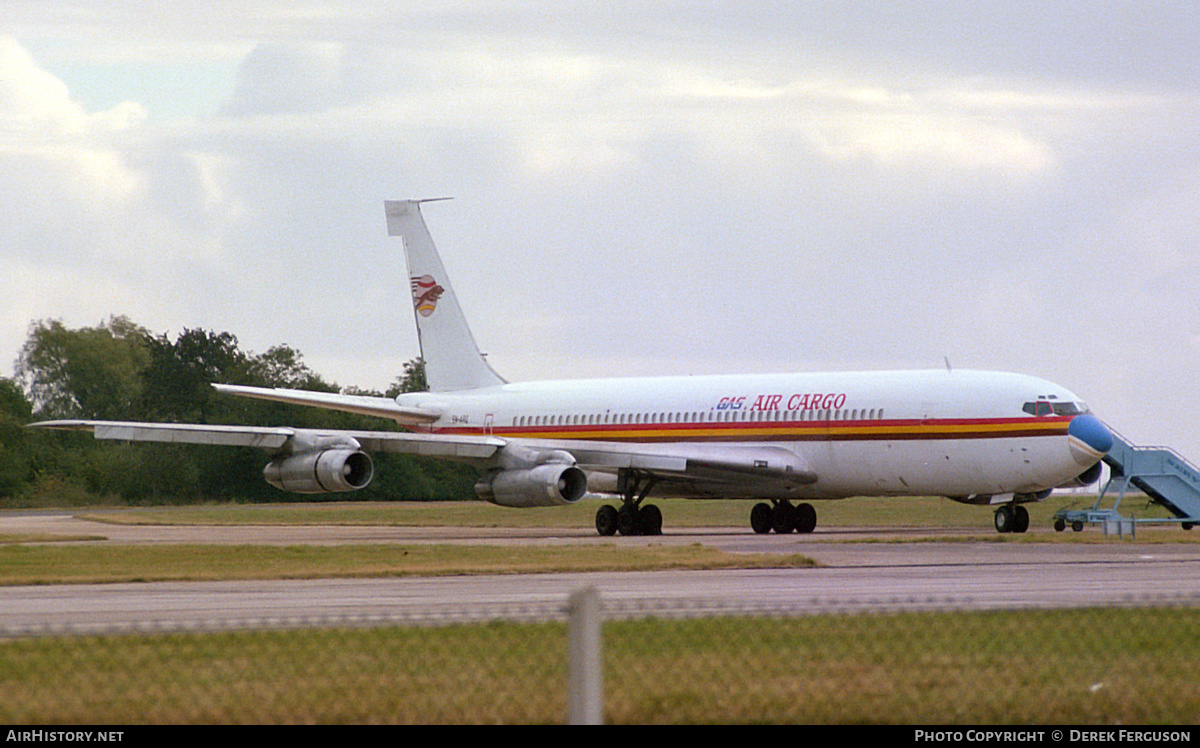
853	414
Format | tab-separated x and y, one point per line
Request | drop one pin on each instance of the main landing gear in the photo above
631	518
782	517
1012	518
634	518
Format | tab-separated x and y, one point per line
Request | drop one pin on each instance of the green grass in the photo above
13	538
1102	666
39	560
1011	668
97	563
924	512
680	513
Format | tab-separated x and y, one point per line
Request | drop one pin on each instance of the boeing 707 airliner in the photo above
781	440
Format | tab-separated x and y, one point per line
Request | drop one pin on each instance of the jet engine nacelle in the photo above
327	471
552	484
1086	478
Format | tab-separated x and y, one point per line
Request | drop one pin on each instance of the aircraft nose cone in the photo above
1092	433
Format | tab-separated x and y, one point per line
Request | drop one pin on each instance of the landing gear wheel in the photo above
760	518
606	520
1005	519
783	518
631	518
627	521
805	518
649	520
1020	519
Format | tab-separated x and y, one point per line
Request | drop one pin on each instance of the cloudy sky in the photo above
641	188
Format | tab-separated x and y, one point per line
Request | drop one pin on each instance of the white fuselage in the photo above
940	432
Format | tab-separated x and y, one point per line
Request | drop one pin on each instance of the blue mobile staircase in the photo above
1160	473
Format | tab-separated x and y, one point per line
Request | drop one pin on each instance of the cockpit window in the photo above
1044	407
1039	408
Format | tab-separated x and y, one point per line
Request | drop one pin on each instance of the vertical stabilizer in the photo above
452	358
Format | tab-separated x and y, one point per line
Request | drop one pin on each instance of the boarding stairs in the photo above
1161	473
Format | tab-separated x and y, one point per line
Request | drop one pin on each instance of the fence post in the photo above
585	689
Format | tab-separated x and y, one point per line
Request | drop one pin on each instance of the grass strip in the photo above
13	538
926	512
935	668
82	564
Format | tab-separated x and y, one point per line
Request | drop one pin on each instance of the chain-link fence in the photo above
1130	664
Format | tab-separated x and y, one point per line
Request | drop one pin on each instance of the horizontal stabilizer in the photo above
383	407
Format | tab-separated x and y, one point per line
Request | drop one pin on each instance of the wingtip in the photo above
62	425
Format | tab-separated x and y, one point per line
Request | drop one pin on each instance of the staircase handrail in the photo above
1139	448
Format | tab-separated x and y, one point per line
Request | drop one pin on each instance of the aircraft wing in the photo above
669	463
689	464
280	438
716	465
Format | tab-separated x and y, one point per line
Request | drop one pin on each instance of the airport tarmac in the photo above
859	569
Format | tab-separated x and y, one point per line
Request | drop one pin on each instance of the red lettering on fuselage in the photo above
798	401
766	402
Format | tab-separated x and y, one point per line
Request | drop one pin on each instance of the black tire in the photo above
1004	519
1020	519
760	518
1077	526
627	521
606	520
806	518
783	518
1060	524
650	520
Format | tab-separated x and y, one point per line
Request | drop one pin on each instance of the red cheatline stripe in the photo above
962	428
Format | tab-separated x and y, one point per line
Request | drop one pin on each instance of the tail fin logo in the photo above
426	292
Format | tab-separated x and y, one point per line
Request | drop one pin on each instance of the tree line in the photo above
119	370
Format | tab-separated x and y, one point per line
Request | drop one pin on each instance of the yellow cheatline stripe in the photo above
824	429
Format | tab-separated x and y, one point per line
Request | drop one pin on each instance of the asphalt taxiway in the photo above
859	569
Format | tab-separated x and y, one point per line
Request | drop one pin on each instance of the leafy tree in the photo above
176	381
13	403
120	371
412	380
92	372
15	465
283	366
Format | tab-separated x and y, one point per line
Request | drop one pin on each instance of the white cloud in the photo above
90	229
40	125
29	96
915	189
